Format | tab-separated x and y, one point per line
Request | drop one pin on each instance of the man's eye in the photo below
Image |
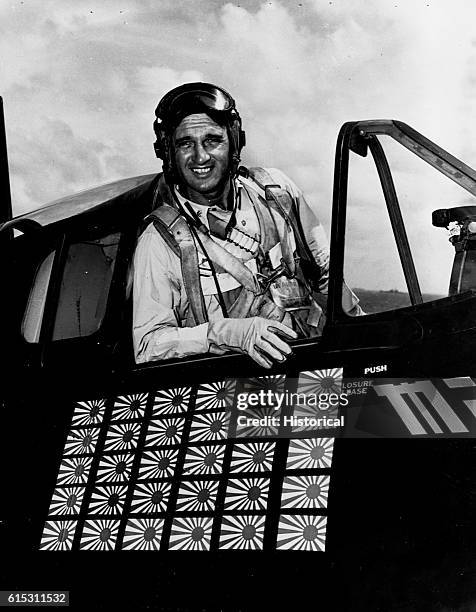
214	140
184	145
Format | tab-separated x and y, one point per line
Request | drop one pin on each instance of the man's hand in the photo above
263	340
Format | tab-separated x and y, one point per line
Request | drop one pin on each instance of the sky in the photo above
80	82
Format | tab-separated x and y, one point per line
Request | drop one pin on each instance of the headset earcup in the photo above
158	150
159	144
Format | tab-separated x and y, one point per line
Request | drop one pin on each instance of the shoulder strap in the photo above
175	231
272	192
280	200
285	204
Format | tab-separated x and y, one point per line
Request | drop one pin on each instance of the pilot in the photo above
231	258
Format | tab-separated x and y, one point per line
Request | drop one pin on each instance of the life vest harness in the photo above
252	298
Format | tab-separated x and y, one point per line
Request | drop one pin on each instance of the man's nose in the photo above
201	155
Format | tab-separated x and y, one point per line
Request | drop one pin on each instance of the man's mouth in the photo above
201	171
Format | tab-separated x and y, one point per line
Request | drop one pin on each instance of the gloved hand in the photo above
256	336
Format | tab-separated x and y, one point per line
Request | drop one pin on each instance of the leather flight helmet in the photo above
186	100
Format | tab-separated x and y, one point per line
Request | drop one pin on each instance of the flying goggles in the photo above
178	102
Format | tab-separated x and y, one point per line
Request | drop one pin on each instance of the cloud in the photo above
81	81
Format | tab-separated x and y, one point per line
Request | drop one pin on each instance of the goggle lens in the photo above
194	97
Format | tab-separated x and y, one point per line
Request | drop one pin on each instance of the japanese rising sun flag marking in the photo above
171	401
247	494
191	534
268	429
143	534
107	500
115	468
215	395
129	407
242	532
164	432
158	463
58	535
151	497
81	441
310	453
204	459
173	469
305	492
197	495
74	470
273	383
88	413
209	426
254	457
321	381
301	532
122	436
67	500
99	535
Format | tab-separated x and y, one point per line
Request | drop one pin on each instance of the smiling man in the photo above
232	259
202	158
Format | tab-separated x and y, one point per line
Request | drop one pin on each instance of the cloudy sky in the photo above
80	81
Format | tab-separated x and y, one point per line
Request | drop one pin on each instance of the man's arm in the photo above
158	304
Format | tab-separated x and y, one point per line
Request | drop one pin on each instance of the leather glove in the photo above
255	336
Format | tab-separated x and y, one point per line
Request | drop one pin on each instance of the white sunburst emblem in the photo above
122	436
107	500
81	441
254	457
158	463
129	406
88	413
58	535
99	535
215	395
197	495
305	492
302	533
171	401
321	381
247	494
143	534
310	453
273	383
151	497
191	534
204	459
74	470
242	532
263	413
67	500
209	426
164	432
115	468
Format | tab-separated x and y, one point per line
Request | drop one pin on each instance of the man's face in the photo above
201	155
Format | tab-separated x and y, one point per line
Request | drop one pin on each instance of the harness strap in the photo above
231	264
284	203
221	258
279	200
174	230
